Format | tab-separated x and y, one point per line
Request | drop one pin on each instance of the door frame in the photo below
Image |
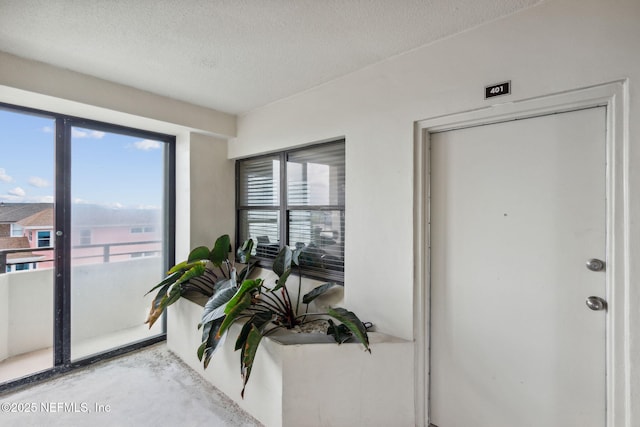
614	97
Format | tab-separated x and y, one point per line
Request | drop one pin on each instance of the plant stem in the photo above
273	303
291	316
299	290
271	330
312	314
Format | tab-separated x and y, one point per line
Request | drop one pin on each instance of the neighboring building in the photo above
99	234
12	213
18	223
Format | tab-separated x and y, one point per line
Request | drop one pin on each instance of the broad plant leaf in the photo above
352	322
282	281
211	341
213	317
339	332
251	346
234	312
196	270
246	271
243	254
295	256
199	253
260	320
226	283
185	266
215	306
317	291
166	281
156	305
247	286
220	250
282	261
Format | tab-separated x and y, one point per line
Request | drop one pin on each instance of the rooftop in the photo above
14	212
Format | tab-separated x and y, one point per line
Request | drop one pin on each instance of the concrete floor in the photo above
150	387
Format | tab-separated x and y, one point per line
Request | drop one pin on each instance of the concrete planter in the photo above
304	379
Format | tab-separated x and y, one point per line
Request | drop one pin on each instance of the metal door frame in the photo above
613	96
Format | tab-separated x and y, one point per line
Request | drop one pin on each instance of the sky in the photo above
107	169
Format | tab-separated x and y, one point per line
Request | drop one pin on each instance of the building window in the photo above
136	230
19	267
85	237
297	198
44	239
17	230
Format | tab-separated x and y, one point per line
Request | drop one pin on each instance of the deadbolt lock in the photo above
596	303
595	264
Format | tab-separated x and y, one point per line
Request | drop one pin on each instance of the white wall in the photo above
554	47
4	316
105	299
557	46
212	191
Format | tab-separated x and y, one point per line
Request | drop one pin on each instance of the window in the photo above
85	237
17	230
296	198
149	229
44	239
69	176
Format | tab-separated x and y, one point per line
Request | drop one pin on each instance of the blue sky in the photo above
107	169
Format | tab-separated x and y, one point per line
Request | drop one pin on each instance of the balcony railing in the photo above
100	253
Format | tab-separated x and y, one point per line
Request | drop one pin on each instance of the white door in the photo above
517	209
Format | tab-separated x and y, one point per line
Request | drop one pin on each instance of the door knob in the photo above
596	303
595	264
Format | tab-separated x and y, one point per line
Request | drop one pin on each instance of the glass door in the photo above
86	229
117	241
26	248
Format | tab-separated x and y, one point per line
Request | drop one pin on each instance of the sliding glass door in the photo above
86	229
117	240
26	253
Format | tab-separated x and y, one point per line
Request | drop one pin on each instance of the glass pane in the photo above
260	182
315	176
117	187
263	226
26	256
321	235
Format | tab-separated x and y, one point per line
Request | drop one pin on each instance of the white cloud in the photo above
147	144
4	177
19	192
37	199
47	129
38	182
83	133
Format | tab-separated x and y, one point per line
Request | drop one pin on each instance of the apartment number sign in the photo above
498	89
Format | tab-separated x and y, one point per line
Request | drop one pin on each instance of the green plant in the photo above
236	297
204	272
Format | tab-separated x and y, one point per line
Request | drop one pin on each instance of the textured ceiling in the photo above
231	55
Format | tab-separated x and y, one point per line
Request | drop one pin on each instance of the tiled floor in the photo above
150	387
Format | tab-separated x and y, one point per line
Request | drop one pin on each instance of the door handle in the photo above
596	303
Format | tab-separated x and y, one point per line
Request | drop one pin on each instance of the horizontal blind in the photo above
259	182
316	176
